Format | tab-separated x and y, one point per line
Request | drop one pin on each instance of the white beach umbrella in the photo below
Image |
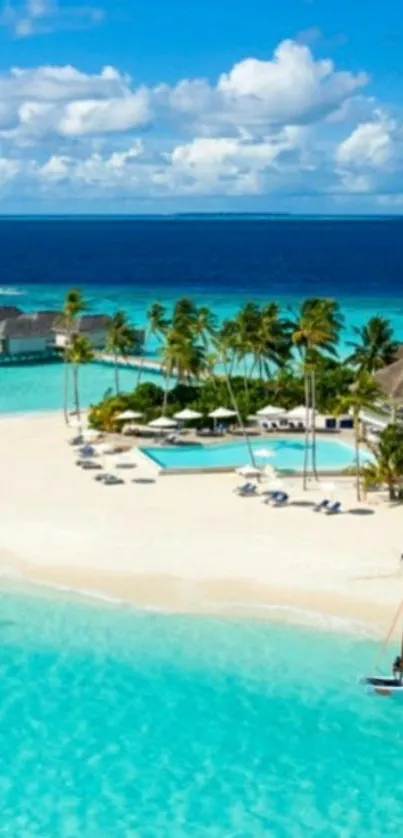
298	413
222	413
187	414
129	414
162	423
249	471
270	411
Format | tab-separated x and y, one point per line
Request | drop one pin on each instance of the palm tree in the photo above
387	464
80	351
184	357
247	323
375	346
205	326
74	305
223	343
158	325
270	342
121	339
363	395
184	315
316	330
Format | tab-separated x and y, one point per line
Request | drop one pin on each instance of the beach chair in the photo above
269	495
280	499
248	492
244	488
323	504
333	508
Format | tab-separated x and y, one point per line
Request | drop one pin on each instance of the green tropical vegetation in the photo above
386	468
362	395
261	355
79	352
120	342
74	305
375	346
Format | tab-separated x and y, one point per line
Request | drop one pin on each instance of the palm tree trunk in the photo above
76	391
141	367
313	420
166	390
245	376
306	447
117	387
66	390
239	417
357	454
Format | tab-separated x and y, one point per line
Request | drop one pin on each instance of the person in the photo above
397	668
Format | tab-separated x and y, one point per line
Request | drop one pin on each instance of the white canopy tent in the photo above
222	413
129	414
270	412
299	413
163	423
187	415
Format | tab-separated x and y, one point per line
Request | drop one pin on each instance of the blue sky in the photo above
189	106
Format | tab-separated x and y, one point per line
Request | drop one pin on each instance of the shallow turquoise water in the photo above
287	453
117	724
40	388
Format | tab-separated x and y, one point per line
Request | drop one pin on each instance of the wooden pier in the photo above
136	362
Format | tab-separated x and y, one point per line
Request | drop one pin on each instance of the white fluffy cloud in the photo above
291	88
370	144
40	17
371	157
263	127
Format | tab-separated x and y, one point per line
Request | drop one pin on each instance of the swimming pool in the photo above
282	453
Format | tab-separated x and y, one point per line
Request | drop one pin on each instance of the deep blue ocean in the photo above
129	263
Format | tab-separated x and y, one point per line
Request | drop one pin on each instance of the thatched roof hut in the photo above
390	381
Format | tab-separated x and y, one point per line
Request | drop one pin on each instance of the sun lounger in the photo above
333	508
269	495
323	504
279	499
243	488
247	492
109	479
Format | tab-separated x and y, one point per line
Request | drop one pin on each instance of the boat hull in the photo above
383	686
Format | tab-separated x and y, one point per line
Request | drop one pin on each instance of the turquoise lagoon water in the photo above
286	453
121	724
39	387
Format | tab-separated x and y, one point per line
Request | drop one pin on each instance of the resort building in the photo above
40	335
24	335
93	326
9	311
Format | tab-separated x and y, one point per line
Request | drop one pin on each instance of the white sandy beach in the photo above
188	543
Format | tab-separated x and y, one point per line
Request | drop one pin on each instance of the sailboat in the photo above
388	685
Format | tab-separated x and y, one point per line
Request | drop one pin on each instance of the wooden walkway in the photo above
135	362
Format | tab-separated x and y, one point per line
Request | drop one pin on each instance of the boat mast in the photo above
388	636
